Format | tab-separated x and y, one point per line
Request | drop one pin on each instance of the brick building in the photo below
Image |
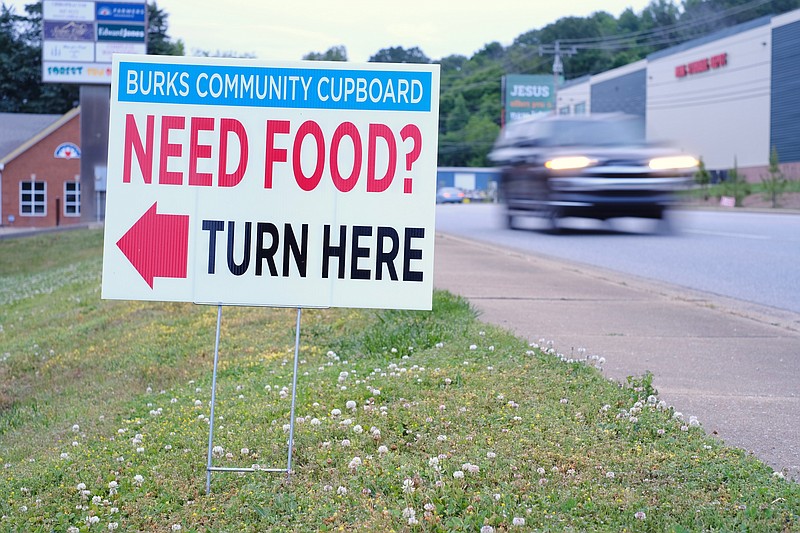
40	170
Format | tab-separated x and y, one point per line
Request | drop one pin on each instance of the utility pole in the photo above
558	65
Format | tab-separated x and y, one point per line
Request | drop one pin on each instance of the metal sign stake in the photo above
209	467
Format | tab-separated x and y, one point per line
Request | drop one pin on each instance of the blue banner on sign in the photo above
121	32
113	11
242	86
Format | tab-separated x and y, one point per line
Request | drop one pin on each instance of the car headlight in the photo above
569	163
675	162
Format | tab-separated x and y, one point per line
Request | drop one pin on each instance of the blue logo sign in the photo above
67	151
112	11
121	32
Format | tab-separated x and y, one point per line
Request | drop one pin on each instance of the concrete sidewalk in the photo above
734	365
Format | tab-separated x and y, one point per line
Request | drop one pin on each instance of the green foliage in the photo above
406	421
398	54
21	87
334	53
774	183
703	178
158	42
736	185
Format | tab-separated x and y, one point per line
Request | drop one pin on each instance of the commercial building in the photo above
40	183
729	97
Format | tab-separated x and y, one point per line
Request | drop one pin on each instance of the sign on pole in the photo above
80	36
294	184
525	95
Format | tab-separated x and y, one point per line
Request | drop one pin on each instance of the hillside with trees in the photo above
470	100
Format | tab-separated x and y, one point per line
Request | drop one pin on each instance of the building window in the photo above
580	109
564	110
72	198
33	198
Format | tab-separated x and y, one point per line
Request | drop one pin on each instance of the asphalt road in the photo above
749	256
732	363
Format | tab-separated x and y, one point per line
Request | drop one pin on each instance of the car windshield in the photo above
575	132
594	133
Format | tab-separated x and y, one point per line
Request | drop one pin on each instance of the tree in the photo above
736	185
21	86
398	54
775	183
158	41
334	53
703	178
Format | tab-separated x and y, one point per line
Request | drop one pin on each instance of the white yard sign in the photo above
298	184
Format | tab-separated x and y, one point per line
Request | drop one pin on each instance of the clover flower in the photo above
176	527
383	449
518	521
487	529
341	491
355	463
138	479
458	474
640	515
350	404
76	428
408	486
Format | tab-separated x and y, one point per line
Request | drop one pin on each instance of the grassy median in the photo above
406	421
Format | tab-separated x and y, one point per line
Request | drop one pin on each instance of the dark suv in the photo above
594	166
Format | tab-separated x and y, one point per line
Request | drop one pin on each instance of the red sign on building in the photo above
702	65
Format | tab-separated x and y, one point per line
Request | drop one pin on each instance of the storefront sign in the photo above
701	65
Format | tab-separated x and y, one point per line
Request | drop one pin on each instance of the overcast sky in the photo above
289	29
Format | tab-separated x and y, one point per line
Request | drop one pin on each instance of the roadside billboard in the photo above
525	95
293	184
79	37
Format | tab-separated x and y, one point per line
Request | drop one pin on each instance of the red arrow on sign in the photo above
157	245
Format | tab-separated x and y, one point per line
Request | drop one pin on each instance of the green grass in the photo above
466	425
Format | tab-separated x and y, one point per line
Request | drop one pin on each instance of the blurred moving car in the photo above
450	195
594	166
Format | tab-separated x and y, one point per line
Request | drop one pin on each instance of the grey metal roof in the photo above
17	128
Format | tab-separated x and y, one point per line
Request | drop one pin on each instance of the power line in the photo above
660	34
